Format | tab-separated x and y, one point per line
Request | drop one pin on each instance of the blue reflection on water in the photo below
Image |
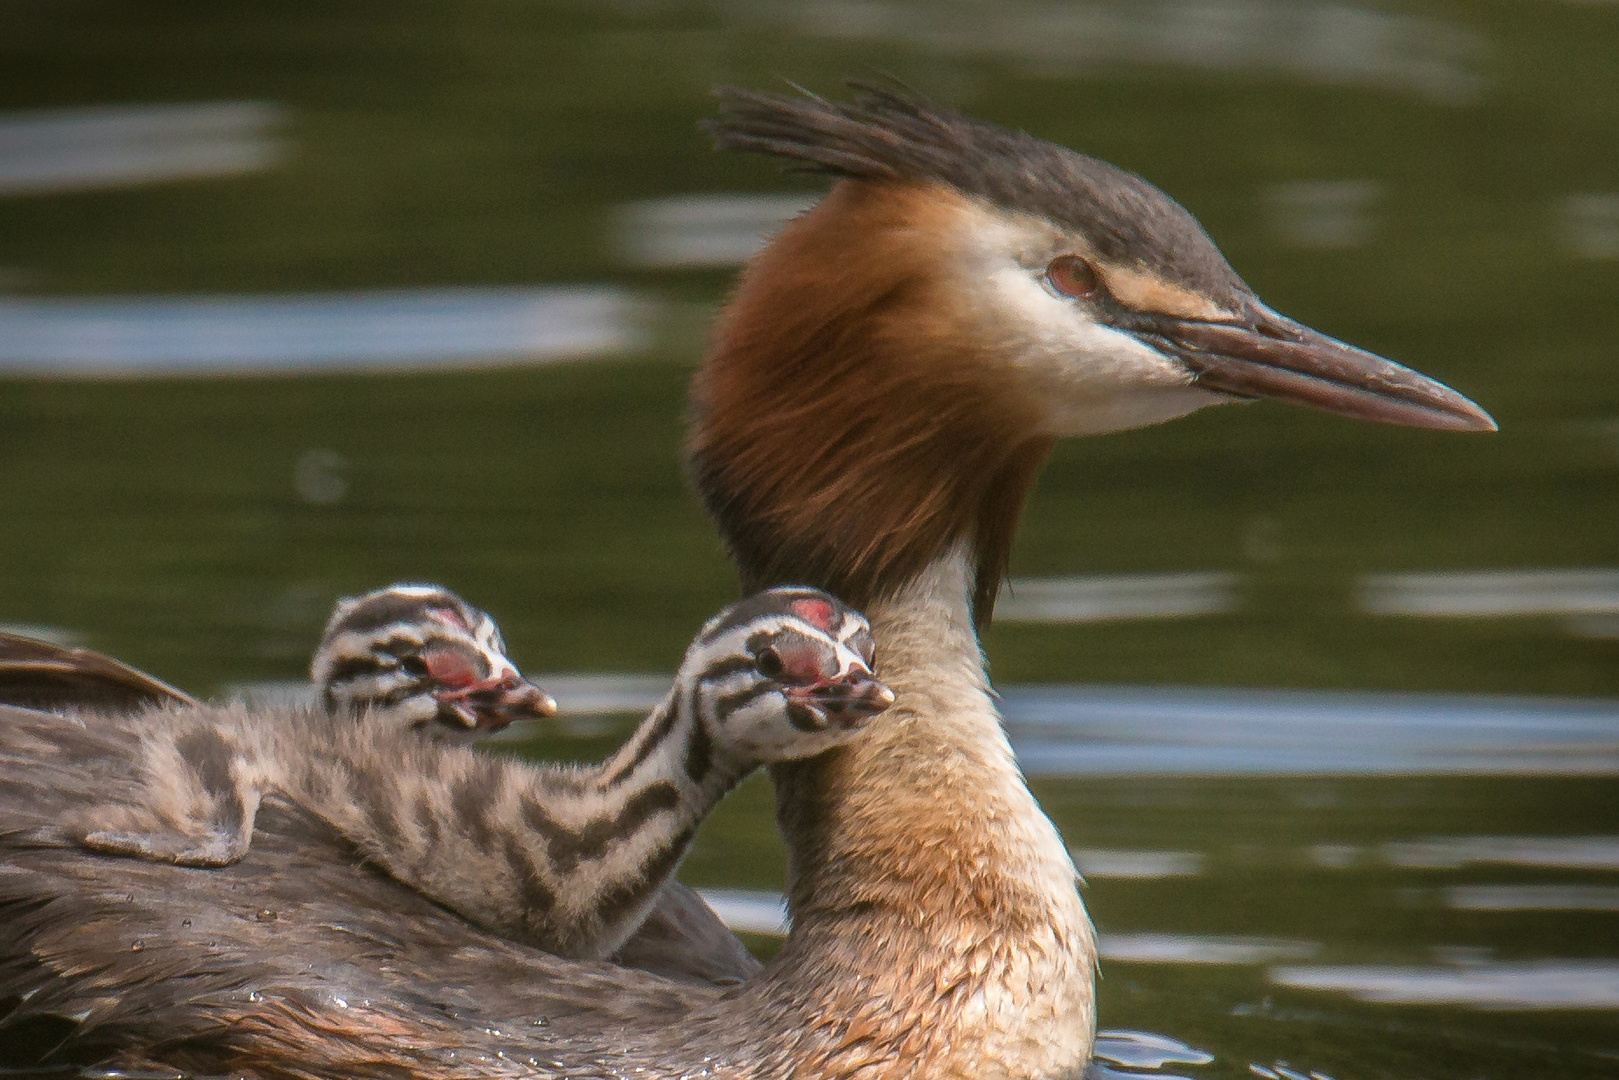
1126	731
367	330
108	146
1518	986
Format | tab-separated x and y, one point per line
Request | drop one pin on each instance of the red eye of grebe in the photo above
1073	276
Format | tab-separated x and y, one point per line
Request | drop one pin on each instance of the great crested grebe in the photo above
565	858
879	394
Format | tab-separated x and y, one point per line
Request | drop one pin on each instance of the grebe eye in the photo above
768	663
413	665
1073	276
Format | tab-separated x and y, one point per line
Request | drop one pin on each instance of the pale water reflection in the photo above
1533	985
749	911
1200	949
485	186
1316	41
109	146
1101	863
1099	731
410	329
690	231
1555	852
1141	1053
1494	593
1533	897
1094	598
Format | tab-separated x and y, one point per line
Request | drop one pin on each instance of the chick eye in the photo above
1073	276
768	663
413	665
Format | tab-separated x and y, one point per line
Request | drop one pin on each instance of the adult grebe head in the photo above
895	366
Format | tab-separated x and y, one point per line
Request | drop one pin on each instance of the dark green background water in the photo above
436	143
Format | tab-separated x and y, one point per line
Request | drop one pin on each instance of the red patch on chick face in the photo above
818	613
804	661
451	667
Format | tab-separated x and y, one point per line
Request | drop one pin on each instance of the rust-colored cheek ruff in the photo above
846	429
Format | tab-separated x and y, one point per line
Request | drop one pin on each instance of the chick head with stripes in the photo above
784	674
423	655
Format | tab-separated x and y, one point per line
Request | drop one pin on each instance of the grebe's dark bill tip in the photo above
1279	359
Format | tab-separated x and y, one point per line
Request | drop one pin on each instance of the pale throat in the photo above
928	844
938	764
928	650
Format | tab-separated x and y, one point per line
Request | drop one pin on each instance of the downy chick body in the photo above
566	858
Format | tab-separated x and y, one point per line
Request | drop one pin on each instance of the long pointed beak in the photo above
1277	358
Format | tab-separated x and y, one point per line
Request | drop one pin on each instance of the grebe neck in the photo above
845	436
936	920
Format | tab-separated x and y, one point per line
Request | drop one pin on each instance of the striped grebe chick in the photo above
416	654
425	658
568	859
419	655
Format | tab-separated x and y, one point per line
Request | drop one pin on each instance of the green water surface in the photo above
490	142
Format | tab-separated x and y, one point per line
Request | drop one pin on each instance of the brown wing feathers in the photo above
40	675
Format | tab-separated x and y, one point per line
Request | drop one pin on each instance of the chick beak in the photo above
492	704
861	694
852	699
519	699
1273	357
